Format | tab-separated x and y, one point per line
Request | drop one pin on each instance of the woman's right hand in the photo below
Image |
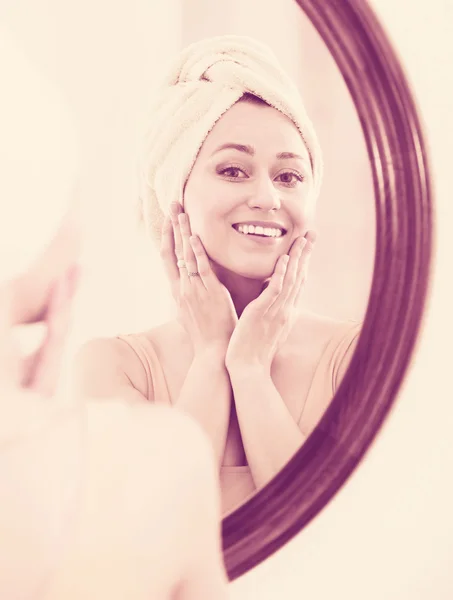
205	307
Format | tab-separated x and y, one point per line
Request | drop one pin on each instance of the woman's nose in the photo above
265	196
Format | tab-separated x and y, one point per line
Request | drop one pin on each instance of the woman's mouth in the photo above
260	230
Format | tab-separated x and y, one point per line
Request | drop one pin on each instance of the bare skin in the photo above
239	319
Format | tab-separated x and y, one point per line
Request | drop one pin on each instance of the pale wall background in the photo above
389	532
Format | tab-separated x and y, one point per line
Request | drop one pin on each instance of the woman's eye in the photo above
290	178
233	173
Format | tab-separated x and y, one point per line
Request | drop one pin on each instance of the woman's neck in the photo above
243	290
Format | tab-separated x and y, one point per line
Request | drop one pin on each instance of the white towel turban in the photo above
207	78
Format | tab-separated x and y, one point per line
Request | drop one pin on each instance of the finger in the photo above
267	298
30	366
289	288
207	275
32	288
175	210
183	272
43	368
9	355
167	253
58	322
188	253
311	236
303	266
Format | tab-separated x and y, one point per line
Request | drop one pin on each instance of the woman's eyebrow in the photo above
241	147
251	151
285	155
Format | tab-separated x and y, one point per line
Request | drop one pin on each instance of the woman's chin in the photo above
259	276
258	273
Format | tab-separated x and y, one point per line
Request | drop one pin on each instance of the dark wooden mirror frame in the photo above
397	299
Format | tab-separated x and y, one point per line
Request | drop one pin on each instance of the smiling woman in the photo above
271	190
230	186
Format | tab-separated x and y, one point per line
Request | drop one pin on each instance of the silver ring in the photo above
193	274
181	264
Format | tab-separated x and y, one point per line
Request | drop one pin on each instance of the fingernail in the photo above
193	239
182	217
311	236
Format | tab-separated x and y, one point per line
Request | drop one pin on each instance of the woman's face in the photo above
253	171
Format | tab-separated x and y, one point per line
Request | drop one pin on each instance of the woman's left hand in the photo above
266	322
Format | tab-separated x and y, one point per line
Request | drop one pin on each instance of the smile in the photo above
270	231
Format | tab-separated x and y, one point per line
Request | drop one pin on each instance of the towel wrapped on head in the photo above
207	79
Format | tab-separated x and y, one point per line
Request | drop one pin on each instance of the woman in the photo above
231	174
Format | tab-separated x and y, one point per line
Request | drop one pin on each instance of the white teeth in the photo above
259	230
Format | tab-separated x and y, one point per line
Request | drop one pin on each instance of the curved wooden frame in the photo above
402	189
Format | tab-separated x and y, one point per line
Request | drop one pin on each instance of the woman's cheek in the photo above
304	218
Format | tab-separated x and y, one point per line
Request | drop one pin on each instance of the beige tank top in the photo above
236	482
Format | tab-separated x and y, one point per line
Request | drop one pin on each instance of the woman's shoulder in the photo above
103	351
110	361
165	335
333	342
119	349
104	365
166	354
167	341
321	329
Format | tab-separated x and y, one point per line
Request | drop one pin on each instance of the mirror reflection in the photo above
230	194
247	176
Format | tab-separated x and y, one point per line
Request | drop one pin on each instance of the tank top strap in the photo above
342	353
155	377
325	382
